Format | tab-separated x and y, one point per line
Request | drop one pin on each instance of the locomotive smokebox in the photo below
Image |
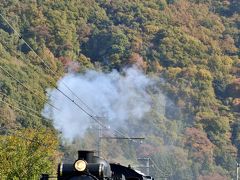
86	155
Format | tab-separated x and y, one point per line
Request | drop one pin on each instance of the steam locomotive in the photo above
90	167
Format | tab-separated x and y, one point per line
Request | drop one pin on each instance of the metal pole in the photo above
145	165
237	170
99	139
148	167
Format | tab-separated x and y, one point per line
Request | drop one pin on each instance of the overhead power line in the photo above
74	94
33	92
64	94
9	132
41	59
158	169
94	117
20	110
33	110
20	37
48	67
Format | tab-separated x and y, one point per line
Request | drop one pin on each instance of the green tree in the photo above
26	154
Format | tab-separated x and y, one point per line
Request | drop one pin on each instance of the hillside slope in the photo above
191	45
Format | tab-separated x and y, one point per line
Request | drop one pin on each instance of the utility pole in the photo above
100	137
146	165
99	140
238	165
99	129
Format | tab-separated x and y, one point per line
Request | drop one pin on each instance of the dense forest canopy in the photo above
191	48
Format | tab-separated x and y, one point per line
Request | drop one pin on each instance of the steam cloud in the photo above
117	97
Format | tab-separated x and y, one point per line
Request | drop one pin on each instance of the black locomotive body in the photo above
90	167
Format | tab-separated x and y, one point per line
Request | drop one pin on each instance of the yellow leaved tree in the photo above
28	153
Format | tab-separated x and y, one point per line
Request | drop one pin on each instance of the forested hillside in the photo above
191	48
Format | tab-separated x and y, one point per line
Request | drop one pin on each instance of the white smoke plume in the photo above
114	96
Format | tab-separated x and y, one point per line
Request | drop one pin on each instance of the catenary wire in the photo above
90	115
20	110
33	110
157	168
19	82
24	138
54	73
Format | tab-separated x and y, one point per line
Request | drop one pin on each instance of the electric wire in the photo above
22	137
34	93
33	115
20	37
33	110
36	115
157	168
88	107
54	73
90	115
19	82
20	110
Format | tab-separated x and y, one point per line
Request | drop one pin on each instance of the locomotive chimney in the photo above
86	155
